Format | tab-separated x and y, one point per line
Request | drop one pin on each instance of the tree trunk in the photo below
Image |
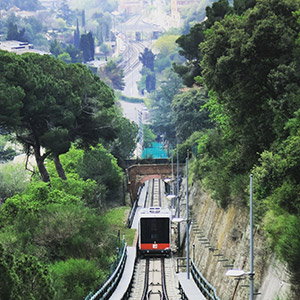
40	163
59	168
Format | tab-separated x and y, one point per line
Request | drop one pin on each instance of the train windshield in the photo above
155	230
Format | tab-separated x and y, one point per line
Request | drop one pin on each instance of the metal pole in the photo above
178	199
172	163
177	182
187	221
251	239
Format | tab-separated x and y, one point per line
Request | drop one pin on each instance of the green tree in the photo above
99	165
65	57
113	75
54	104
241	6
190	42
245	61
189	114
147	58
9	279
75	53
23	277
105	49
87	46
104	21
35	282
14	34
217	12
55	47
149	136
190	50
125	143
13	180
160	105
75	278
65	12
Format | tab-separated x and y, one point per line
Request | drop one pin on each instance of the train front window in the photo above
155	230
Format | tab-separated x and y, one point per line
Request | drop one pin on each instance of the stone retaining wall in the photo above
221	241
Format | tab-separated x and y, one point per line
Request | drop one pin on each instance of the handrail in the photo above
205	287
134	207
108	288
132	213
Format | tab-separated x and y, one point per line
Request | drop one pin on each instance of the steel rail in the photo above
159	193
146	281
163	280
152	196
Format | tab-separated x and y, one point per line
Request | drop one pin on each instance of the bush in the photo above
23	278
75	278
99	165
13	180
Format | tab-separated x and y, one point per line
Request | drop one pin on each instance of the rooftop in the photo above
20	47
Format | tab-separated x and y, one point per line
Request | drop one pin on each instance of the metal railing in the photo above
132	214
134	207
205	287
109	287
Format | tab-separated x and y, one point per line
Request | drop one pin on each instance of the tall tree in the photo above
189	44
147	58
113	75
189	114
65	12
55	47
240	6
14	34
160	109
50	104
87	46
250	64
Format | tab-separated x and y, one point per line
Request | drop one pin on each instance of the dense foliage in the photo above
148	80
50	104
247	56
112	75
54	242
53	245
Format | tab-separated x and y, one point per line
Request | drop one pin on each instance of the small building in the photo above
20	47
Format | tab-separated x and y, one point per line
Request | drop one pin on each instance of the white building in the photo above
20	47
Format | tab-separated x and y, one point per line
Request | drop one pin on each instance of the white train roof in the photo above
154	211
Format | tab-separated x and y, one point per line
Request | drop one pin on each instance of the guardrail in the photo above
132	213
109	287
205	287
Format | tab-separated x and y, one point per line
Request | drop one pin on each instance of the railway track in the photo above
155	280
154	277
154	196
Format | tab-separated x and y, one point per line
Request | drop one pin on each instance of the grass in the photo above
116	218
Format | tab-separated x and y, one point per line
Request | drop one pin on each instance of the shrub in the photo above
75	278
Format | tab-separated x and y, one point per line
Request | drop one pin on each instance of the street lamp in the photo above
241	273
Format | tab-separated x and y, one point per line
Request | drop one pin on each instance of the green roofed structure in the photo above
156	151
